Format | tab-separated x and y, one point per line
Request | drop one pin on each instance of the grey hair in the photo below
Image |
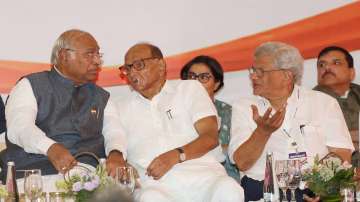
283	56
64	42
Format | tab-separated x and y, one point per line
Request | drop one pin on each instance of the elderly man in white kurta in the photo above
295	121
171	127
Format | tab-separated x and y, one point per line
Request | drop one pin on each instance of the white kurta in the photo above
166	122
313	119
21	110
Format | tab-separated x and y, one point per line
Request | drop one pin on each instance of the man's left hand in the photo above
162	164
114	160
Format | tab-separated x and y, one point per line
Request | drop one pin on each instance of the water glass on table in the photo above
56	197
125	178
42	198
282	176
294	172
33	184
347	193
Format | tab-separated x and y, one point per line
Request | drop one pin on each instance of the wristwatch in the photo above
182	155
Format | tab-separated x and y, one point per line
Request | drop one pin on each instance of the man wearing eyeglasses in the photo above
283	118
335	72
53	115
171	126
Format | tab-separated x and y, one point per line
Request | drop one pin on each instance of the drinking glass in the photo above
56	197
347	193
33	184
282	176
294	172
125	178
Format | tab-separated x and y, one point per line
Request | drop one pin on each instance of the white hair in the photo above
283	56
64	42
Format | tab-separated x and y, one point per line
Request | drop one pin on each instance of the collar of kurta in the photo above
166	88
67	83
295	97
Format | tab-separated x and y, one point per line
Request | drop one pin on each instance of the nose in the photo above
97	60
329	65
327	68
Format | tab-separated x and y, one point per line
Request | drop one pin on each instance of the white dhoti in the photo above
191	181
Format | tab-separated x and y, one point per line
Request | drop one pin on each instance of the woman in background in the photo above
210	74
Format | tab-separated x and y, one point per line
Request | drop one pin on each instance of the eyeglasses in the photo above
260	72
88	54
202	77
138	65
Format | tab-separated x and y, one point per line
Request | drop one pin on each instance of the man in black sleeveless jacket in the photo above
56	114
336	72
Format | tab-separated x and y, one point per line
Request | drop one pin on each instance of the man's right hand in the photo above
61	158
267	124
248	153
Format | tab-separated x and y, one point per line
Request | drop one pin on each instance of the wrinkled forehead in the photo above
264	62
84	41
137	53
332	55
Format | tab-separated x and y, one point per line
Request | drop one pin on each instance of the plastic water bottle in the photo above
268	188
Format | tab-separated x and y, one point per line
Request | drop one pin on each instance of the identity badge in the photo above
297	155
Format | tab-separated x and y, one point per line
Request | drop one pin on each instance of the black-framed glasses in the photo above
260	72
88	54
138	65
202	77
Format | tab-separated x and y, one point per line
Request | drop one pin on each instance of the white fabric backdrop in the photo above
29	28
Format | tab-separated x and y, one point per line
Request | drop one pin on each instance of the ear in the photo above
217	85
162	66
352	74
289	77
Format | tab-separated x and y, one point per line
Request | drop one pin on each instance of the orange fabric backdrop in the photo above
337	27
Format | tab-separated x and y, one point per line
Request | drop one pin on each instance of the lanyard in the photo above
287	126
292	142
289	122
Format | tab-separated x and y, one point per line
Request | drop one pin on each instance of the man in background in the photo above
335	73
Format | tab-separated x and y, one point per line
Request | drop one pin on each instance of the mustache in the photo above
326	73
